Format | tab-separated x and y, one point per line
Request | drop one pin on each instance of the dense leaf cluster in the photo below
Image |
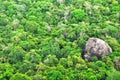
44	39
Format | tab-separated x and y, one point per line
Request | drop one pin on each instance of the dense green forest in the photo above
44	39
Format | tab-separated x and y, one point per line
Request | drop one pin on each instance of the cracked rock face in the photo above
96	47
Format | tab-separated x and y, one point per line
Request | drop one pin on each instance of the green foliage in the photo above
113	75
94	58
33	57
19	76
116	8
31	26
111	30
45	39
99	63
63	61
114	54
117	62
6	71
50	60
78	14
113	43
16	55
4	20
54	75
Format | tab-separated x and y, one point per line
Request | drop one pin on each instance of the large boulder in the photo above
96	47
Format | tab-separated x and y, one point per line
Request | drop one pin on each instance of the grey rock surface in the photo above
96	47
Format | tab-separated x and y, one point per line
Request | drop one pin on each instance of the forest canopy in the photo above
44	39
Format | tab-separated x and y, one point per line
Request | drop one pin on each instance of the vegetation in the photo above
44	39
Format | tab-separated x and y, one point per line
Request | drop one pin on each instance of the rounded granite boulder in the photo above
96	47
